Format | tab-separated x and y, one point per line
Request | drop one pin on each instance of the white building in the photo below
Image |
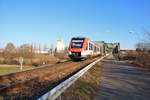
60	46
41	51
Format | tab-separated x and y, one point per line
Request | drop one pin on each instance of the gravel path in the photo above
121	81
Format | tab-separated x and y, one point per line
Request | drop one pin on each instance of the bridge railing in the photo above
59	89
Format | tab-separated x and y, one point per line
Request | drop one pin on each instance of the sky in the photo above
44	21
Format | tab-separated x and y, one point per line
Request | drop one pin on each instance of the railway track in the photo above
19	77
31	84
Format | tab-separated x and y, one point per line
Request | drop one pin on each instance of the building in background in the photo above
111	46
60	46
40	49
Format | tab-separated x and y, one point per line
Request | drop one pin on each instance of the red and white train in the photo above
82	48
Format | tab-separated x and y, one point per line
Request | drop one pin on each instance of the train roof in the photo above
79	38
99	43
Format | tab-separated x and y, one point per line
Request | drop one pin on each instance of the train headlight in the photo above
69	52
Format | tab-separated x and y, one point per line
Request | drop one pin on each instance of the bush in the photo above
61	55
10	61
138	57
1	60
36	60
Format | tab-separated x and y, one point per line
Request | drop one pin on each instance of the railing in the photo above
59	89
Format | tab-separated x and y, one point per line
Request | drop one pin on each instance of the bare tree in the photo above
145	44
10	48
40	48
147	36
26	51
45	47
51	49
9	53
143	49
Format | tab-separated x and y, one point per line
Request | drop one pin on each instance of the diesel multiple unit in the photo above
82	48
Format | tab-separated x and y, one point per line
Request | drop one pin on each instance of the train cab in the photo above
81	48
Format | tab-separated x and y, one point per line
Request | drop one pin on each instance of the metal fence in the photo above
59	89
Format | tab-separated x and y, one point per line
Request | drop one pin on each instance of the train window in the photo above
90	46
94	48
77	43
87	47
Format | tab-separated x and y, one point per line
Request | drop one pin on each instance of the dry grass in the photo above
129	55
61	55
86	86
140	59
42	59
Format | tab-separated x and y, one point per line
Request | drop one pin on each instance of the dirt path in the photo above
121	81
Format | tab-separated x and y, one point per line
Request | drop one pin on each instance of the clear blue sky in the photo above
44	21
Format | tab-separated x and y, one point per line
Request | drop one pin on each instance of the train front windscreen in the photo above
77	43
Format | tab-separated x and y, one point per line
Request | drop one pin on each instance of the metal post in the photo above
21	63
21	67
59	98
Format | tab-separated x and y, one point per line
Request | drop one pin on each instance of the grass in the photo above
6	69
86	86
